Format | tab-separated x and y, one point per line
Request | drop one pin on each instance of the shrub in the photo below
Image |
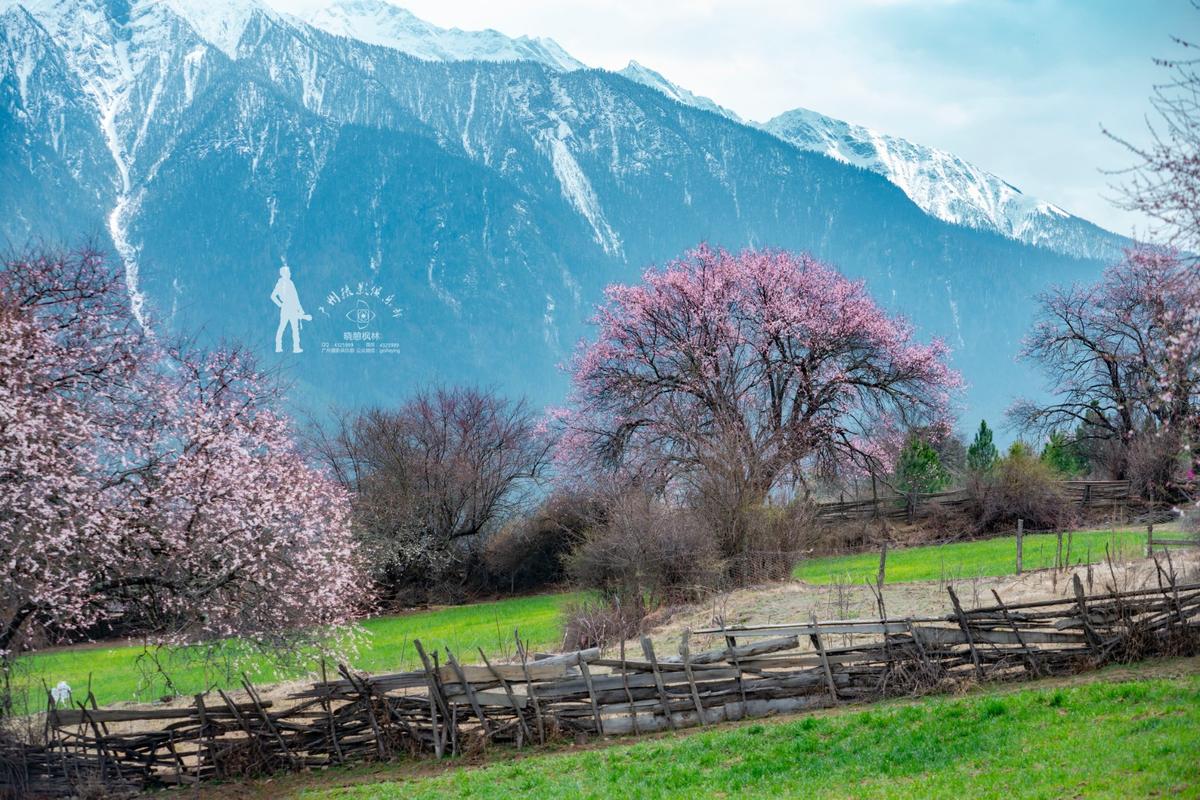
774	536
1154	466
1020	487
1190	524
646	551
601	621
531	553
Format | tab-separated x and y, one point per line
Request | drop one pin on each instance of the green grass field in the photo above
125	673
981	558
1132	738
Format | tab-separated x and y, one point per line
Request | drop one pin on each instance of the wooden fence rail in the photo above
1088	494
450	707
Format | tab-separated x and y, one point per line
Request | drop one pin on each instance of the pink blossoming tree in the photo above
153	484
1122	354
737	373
1164	284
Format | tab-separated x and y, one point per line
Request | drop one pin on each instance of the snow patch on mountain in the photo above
655	80
578	191
381	23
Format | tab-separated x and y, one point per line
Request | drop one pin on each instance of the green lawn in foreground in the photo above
981	558
1136	738
120	673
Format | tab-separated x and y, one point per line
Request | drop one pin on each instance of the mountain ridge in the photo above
480	206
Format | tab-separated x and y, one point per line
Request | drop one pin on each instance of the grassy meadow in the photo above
127	672
1119	739
970	559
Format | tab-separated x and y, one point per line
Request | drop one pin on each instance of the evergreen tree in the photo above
919	471
982	454
1062	455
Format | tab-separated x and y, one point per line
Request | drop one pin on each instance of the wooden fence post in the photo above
966	629
820	647
882	566
685	653
529	691
1149	538
437	703
591	691
648	650
1020	545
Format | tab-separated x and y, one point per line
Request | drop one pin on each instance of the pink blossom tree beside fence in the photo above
154	484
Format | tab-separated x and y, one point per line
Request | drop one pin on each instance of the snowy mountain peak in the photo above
944	185
78	24
655	80
381	23
221	23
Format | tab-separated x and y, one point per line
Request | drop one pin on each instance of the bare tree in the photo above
434	477
1116	367
1164	184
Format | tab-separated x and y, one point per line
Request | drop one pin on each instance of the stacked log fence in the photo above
456	704
1087	494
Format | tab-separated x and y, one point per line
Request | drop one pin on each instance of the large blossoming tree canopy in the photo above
752	364
156	484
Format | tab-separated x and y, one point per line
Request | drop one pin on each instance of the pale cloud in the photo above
1019	88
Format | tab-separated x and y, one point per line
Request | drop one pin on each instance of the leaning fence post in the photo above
512	700
537	708
436	702
1089	633
1020	545
966	629
648	650
685	652
879	577
1033	663
820	647
469	691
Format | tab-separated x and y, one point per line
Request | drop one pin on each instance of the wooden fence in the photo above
1085	494
449	707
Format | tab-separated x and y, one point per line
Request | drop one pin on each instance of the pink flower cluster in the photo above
138	478
759	361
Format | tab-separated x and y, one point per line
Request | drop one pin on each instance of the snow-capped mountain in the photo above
381	23
481	202
655	80
940	183
947	187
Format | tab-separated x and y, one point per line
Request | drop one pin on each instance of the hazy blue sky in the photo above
1021	88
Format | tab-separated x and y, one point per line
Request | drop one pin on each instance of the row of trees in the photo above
721	381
